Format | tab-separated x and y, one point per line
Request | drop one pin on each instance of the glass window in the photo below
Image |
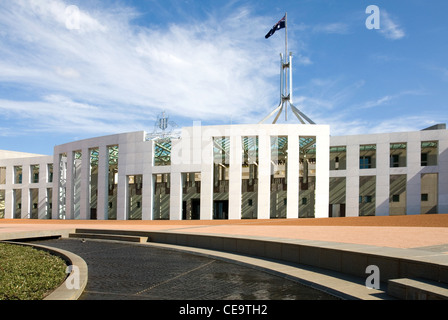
429	192
35	173
162	152
397	194
2	204
221	164
93	181
429	153
17	174
62	185
367	156
338	158
33	200
2	175
112	182
398	155
161	196
49	172
307	176
249	192
191	195
17	199
76	176
279	182
135	185
367	194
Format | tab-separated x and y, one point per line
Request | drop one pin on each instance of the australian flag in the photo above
279	25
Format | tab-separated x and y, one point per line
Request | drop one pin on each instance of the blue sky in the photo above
124	62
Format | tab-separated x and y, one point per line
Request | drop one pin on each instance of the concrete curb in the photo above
63	292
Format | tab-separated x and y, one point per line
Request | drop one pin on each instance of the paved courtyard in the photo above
126	271
390	231
122	271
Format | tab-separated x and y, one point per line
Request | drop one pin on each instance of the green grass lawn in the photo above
27	273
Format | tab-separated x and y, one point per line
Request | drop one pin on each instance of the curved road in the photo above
122	271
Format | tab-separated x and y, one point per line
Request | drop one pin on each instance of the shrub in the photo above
27	273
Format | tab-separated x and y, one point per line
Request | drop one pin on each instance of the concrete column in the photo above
352	195
235	173
42	200
176	196
85	185
413	187
26	178
264	176
56	186
42	203
443	173
103	167
9	203
69	187
292	205
122	192
148	194
207	179
382	177
322	174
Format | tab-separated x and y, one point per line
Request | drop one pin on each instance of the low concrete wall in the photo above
343	258
33	234
351	259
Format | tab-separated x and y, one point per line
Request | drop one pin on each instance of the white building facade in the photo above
263	171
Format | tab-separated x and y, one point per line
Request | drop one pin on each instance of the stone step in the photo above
116	237
417	289
114	232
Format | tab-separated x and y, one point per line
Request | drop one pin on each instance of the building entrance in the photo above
221	209
191	209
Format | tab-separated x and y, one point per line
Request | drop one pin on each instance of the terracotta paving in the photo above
390	231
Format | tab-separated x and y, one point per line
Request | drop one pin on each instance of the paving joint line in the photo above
174	278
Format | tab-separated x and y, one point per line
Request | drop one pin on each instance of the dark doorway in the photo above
221	209
193	212
195	209
92	213
336	210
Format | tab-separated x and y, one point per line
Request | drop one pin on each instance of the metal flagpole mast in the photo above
285	82
285	63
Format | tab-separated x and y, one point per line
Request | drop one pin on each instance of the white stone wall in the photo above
197	135
382	172
26	185
193	152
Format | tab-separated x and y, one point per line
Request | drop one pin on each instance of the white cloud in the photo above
389	28
67	72
204	70
343	125
384	100
332	28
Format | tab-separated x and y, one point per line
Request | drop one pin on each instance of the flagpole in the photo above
285	62
286	35
285	79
